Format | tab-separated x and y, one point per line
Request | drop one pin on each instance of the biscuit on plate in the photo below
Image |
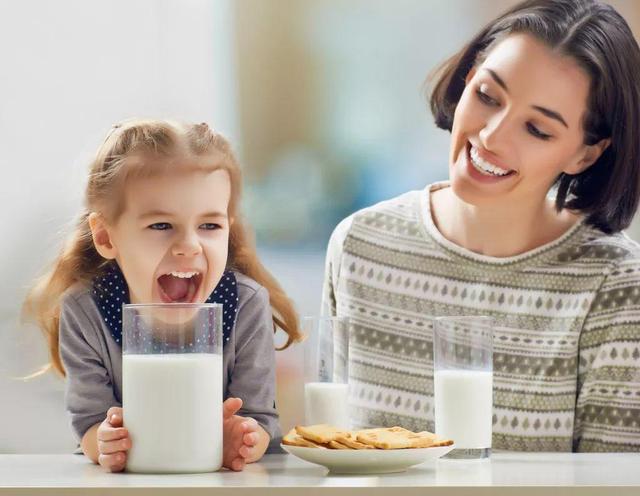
396	438
438	441
319	433
337	445
293	439
349	440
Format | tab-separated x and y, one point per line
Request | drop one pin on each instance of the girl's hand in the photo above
113	441
240	436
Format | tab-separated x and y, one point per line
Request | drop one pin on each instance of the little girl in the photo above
162	224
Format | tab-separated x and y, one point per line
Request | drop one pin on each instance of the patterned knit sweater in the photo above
566	341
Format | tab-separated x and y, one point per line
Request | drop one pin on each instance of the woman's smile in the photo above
484	166
482	170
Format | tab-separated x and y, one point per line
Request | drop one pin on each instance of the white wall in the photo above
69	70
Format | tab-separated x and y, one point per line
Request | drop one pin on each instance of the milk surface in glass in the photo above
172	409
463	409
327	403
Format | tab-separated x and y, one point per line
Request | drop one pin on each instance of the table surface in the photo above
504	473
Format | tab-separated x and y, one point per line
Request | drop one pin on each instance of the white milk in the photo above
327	403
172	406
464	407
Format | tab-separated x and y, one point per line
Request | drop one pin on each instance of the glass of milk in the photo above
463	383
172	387
326	371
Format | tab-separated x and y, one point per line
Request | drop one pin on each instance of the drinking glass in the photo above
326	371
172	387
463	383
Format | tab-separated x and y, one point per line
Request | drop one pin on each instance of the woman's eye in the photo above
536	132
484	98
210	226
160	226
533	130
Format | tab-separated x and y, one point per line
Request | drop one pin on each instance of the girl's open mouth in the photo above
179	287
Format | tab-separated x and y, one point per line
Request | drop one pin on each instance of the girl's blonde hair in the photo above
126	152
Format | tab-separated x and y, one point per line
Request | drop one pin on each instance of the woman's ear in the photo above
588	156
101	236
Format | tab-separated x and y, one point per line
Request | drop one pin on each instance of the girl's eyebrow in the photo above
162	213
215	214
155	213
552	114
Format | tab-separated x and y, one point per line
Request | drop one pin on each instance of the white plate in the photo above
368	461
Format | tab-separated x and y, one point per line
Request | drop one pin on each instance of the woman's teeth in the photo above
485	167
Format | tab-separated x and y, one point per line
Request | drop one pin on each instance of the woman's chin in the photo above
474	192
466	191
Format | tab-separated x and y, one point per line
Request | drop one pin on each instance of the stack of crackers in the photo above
388	438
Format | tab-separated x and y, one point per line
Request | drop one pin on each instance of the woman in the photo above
543	107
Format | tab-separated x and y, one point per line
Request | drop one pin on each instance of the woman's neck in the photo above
500	230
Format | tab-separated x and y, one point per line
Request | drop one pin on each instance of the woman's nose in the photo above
187	246
495	132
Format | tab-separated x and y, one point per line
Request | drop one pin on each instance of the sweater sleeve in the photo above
254	372
608	399
88	388
332	266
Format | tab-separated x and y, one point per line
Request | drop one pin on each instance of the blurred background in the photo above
322	100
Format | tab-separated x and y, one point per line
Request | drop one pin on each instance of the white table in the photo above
546	474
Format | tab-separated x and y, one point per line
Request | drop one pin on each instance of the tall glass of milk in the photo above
326	371
172	387
463	383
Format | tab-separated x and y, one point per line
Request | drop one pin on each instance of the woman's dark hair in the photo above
600	41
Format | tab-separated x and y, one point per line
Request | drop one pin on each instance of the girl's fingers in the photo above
114	410
245	451
237	430
250	439
114	416
115	419
109	447
112	434
230	407
249	425
114	462
237	464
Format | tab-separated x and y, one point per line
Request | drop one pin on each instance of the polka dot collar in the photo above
110	292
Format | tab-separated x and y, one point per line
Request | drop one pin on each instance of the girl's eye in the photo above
537	133
486	99
210	226
160	226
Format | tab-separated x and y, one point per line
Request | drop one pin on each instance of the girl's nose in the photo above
187	246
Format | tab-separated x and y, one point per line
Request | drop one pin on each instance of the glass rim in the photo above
172	305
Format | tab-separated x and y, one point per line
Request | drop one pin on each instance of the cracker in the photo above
337	445
293	439
350	441
327	436
396	438
319	433
438	441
